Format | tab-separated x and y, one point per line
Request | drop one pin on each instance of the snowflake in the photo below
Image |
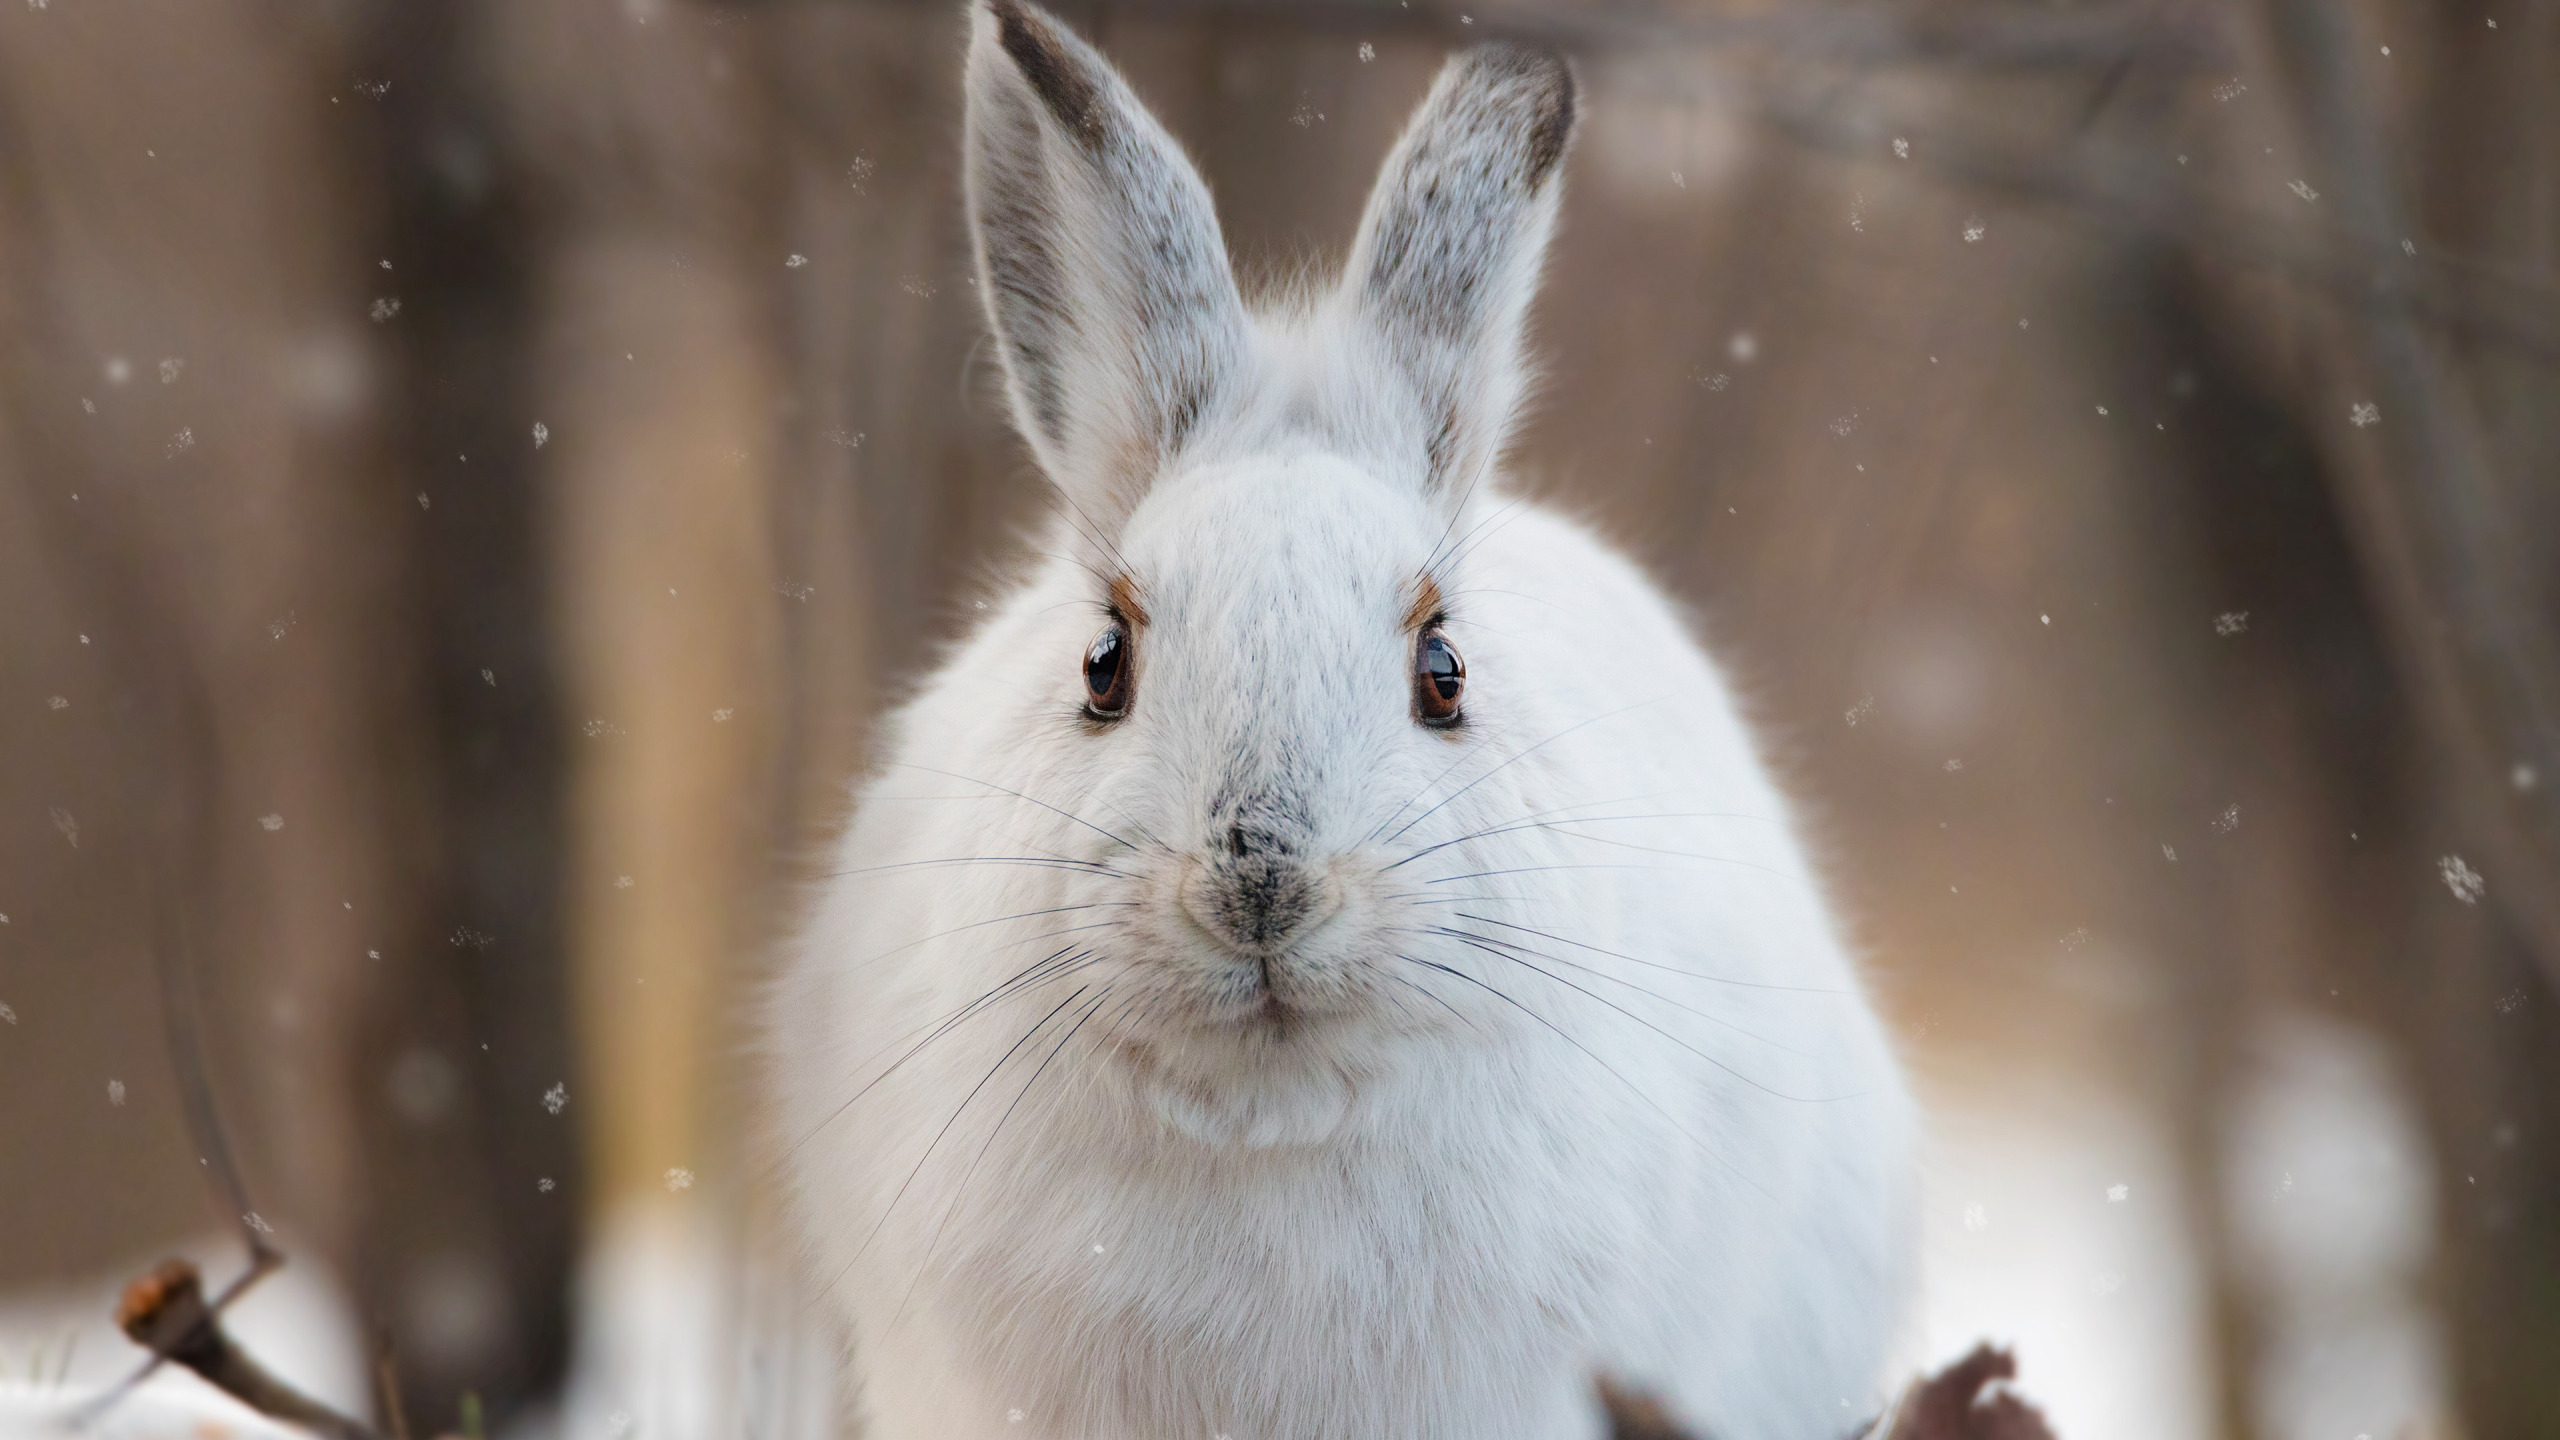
722	717
2462	880
69	827
795	261
1975	1217
2076	939
2228	820
2107	1282
56	702
545	1185
1901	148
2508	1004
792	589
373	89
1973	229
849	439
1952	766
2169	853
1014	1416
278	629
2524	776
271	822
679	1178
1305	115
2303	189
384	308
541	434
2364	413
2230	623
466	938
489	678
917	286
859	171
117	369
171	369
1368	52
9	1015
422	499
1744	347
598	727
556	1099
115	1092
1841	425
182	442
1865	707
2230	90
257	1222
2117	1194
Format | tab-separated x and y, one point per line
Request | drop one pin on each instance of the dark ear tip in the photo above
1040	51
1543	83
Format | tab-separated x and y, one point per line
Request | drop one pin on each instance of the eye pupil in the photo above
1439	679
1106	673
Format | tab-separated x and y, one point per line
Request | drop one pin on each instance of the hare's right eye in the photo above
1106	674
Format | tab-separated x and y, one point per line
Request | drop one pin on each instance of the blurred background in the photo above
470	469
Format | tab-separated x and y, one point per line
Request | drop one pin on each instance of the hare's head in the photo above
1272	507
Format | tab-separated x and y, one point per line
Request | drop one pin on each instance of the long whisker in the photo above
1675	869
1022	979
1027	799
1634	1088
1599	974
960	1190
1496	949
1527	823
1515	758
965	1100
1035	862
1658	965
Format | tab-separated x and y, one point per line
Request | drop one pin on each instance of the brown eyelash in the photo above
1124	601
1428	608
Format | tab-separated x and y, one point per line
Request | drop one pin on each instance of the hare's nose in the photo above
1255	891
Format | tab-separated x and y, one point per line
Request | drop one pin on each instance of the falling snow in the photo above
541	434
9	1015
2227	821
2365	413
1973	230
556	1099
2230	90
1901	148
722	717
2076	939
2230	623
545	1185
2118	1193
182	442
679	1178
384	308
859	171
466	938
69	827
2461	879
795	261
171	369
2508	1004
56	702
2523	776
271	823
1865	707
2303	189
1975	1217
596	728
257	1222
621	882
115	1092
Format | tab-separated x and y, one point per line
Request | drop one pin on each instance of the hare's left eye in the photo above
1439	679
1106	674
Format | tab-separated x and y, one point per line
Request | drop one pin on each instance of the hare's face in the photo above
1281	683
1259	500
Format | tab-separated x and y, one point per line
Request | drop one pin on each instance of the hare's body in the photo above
1278	1051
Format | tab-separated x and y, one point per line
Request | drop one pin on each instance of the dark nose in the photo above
1259	890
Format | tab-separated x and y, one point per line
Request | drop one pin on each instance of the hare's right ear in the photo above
1448	252
1100	260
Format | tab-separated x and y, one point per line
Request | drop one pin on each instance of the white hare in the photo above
1234	1013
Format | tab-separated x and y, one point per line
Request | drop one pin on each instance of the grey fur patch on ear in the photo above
1099	259
1448	253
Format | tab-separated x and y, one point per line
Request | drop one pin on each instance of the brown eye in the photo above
1439	678
1106	674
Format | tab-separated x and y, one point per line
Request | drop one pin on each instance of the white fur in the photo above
1634	1117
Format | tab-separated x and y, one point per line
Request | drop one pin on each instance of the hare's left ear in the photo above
1448	252
1099	258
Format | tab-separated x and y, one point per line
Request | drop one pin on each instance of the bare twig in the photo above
166	1312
